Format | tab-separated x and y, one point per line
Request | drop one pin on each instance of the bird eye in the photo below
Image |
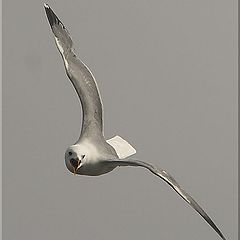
83	156
70	153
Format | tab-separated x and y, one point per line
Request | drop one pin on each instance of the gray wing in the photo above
81	78
173	183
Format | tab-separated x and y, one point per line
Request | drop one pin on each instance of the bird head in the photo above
75	157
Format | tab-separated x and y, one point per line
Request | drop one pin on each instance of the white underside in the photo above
122	147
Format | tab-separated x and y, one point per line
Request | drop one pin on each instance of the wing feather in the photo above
173	183
81	78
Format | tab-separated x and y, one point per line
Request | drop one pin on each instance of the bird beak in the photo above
78	166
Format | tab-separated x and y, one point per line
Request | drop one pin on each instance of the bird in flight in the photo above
92	155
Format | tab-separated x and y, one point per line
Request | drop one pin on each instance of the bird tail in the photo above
62	37
122	147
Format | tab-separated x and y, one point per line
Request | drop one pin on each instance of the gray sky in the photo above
167	74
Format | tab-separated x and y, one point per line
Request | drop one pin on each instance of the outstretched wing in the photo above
81	78
173	183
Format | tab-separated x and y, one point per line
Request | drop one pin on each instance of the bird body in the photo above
92	164
92	155
98	155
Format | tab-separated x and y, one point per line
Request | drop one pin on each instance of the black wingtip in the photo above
46	5
52	18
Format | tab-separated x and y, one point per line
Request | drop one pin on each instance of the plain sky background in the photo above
167	74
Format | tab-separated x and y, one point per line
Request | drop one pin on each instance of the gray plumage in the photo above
92	154
81	78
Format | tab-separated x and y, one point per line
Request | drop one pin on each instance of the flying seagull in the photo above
93	155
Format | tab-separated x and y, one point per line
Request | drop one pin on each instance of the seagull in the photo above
92	154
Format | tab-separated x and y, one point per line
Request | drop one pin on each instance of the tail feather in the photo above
122	147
